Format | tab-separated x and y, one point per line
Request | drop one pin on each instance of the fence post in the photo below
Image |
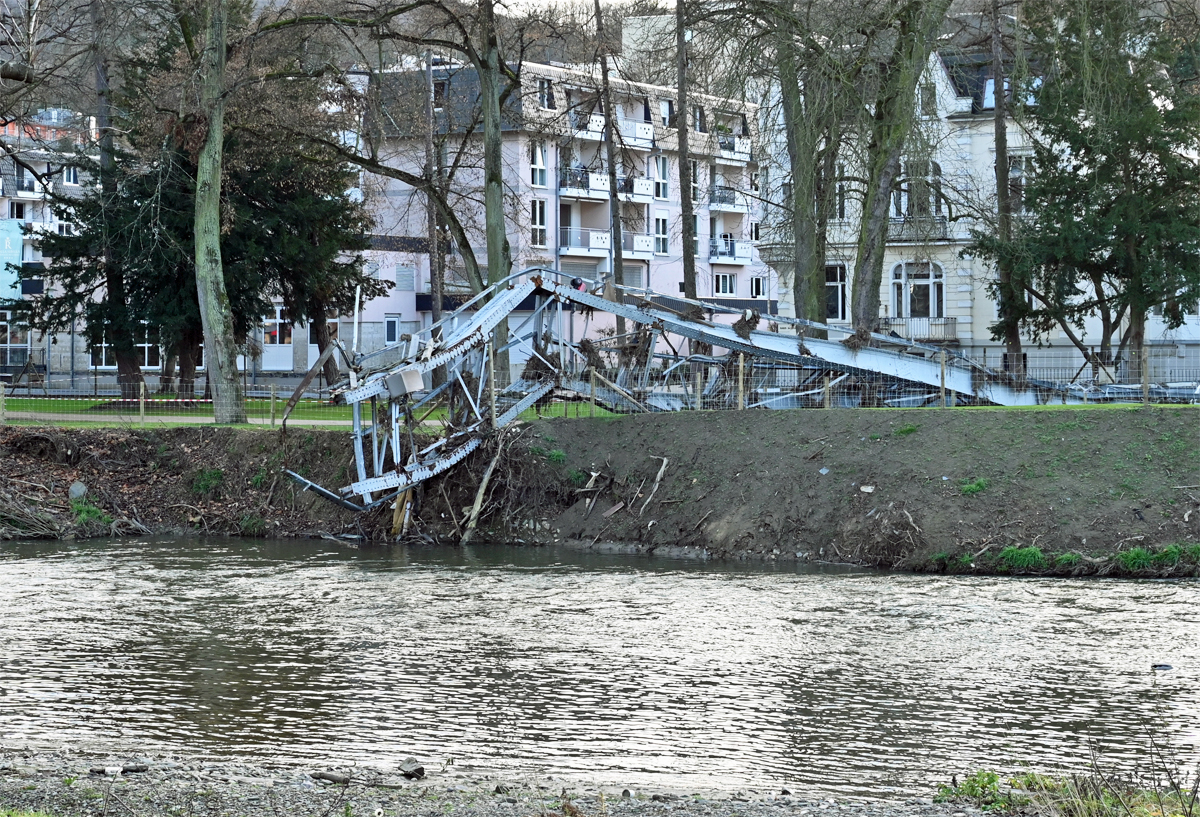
828	395
1144	359
273	387
741	381
696	390
142	403
942	355
592	398
3	405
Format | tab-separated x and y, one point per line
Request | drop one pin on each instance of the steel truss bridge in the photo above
667	361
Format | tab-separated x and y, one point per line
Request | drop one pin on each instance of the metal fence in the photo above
616	380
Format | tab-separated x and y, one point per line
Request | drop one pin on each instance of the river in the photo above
588	668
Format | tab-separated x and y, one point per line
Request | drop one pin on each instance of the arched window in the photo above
919	193
918	290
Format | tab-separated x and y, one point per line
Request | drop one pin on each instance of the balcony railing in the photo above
635	186
729	248
592	122
574	178
638	134
919	228
723	195
584	238
637	242
922	329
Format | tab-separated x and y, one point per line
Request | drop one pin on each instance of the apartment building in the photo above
557	187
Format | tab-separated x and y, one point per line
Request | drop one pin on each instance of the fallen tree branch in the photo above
654	488
473	518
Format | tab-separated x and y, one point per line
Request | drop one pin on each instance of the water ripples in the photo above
585	667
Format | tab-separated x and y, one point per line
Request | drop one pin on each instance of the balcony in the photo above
727	200
734	148
637	135
29	188
581	183
928	330
587	125
584	241
728	251
637	245
918	228
638	190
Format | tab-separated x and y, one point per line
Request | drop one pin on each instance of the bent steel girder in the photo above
464	342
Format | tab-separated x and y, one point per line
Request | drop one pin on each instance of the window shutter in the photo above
406	278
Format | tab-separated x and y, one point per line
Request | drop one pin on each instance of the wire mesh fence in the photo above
608	381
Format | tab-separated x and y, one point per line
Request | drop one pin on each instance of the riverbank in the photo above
66	784
1098	491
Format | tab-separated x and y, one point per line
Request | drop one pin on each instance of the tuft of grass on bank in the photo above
1177	559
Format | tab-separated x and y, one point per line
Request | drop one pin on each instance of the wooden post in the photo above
942	355
592	398
492	379
953	399
828	394
696	390
741	381
142	403
3	406
273	387
1144	359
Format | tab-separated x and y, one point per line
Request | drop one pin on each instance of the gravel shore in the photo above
66	784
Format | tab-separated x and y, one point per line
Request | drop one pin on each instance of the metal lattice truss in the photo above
668	362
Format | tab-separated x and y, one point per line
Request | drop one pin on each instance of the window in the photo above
666	108
917	291
758	286
662	177
16	210
755	183
698	121
695	234
835	292
929	99
662	241
439	94
277	328
755	231
25	182
14	341
406	278
1016	183
919	195
391	329
545	91
695	167
146	349
538	223
723	284
70	175
537	164
66	229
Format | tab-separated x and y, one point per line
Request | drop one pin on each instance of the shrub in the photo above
1030	558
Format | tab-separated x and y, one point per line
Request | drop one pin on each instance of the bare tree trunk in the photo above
498	253
1012	297
685	157
220	349
119	326
166	380
330	369
807	291
189	357
437	266
610	155
915	27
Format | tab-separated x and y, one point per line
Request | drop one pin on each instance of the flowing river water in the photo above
588	668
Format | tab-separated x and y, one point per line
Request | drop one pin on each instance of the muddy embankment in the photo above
1112	491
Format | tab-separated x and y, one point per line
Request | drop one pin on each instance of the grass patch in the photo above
1030	558
252	526
208	482
86	512
905	430
1170	556
1135	559
982	789
971	487
1067	560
